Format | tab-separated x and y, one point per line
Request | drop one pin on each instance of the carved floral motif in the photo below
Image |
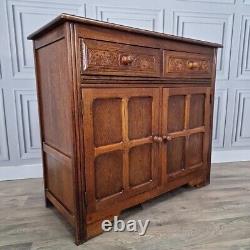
111	60
178	64
144	62
97	57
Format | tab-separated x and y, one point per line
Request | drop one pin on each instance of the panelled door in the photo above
120	153
185	128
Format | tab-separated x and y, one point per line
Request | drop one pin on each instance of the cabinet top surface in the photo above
77	19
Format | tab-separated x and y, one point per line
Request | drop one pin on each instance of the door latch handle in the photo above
167	138
157	139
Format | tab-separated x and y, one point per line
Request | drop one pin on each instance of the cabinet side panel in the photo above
55	107
55	96
59	177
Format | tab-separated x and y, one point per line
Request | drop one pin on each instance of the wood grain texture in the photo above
106	58
110	132
215	217
113	136
185	130
187	64
77	19
60	177
55	92
108	174
197	105
140	165
176	155
176	113
139	117
134	115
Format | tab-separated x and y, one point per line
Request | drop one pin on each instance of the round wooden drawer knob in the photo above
192	65
125	60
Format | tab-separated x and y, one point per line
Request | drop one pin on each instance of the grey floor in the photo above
213	217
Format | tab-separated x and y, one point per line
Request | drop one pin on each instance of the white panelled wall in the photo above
221	21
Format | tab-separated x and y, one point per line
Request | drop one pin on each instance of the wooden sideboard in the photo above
126	115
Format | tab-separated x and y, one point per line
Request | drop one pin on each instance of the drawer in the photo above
108	58
187	65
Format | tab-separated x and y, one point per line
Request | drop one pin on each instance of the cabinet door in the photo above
185	130
120	155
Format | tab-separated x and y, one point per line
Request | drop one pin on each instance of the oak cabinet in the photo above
125	115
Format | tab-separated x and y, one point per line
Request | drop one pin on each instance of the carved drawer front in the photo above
108	58
182	64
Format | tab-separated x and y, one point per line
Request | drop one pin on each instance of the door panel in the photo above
139	117
197	104
108	184
140	162
175	155
185	145
195	149
120	154
176	116
111	132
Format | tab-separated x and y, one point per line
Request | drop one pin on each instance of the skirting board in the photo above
35	170
20	172
230	156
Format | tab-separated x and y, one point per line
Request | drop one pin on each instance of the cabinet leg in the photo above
198	183
79	237
208	174
95	228
48	203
